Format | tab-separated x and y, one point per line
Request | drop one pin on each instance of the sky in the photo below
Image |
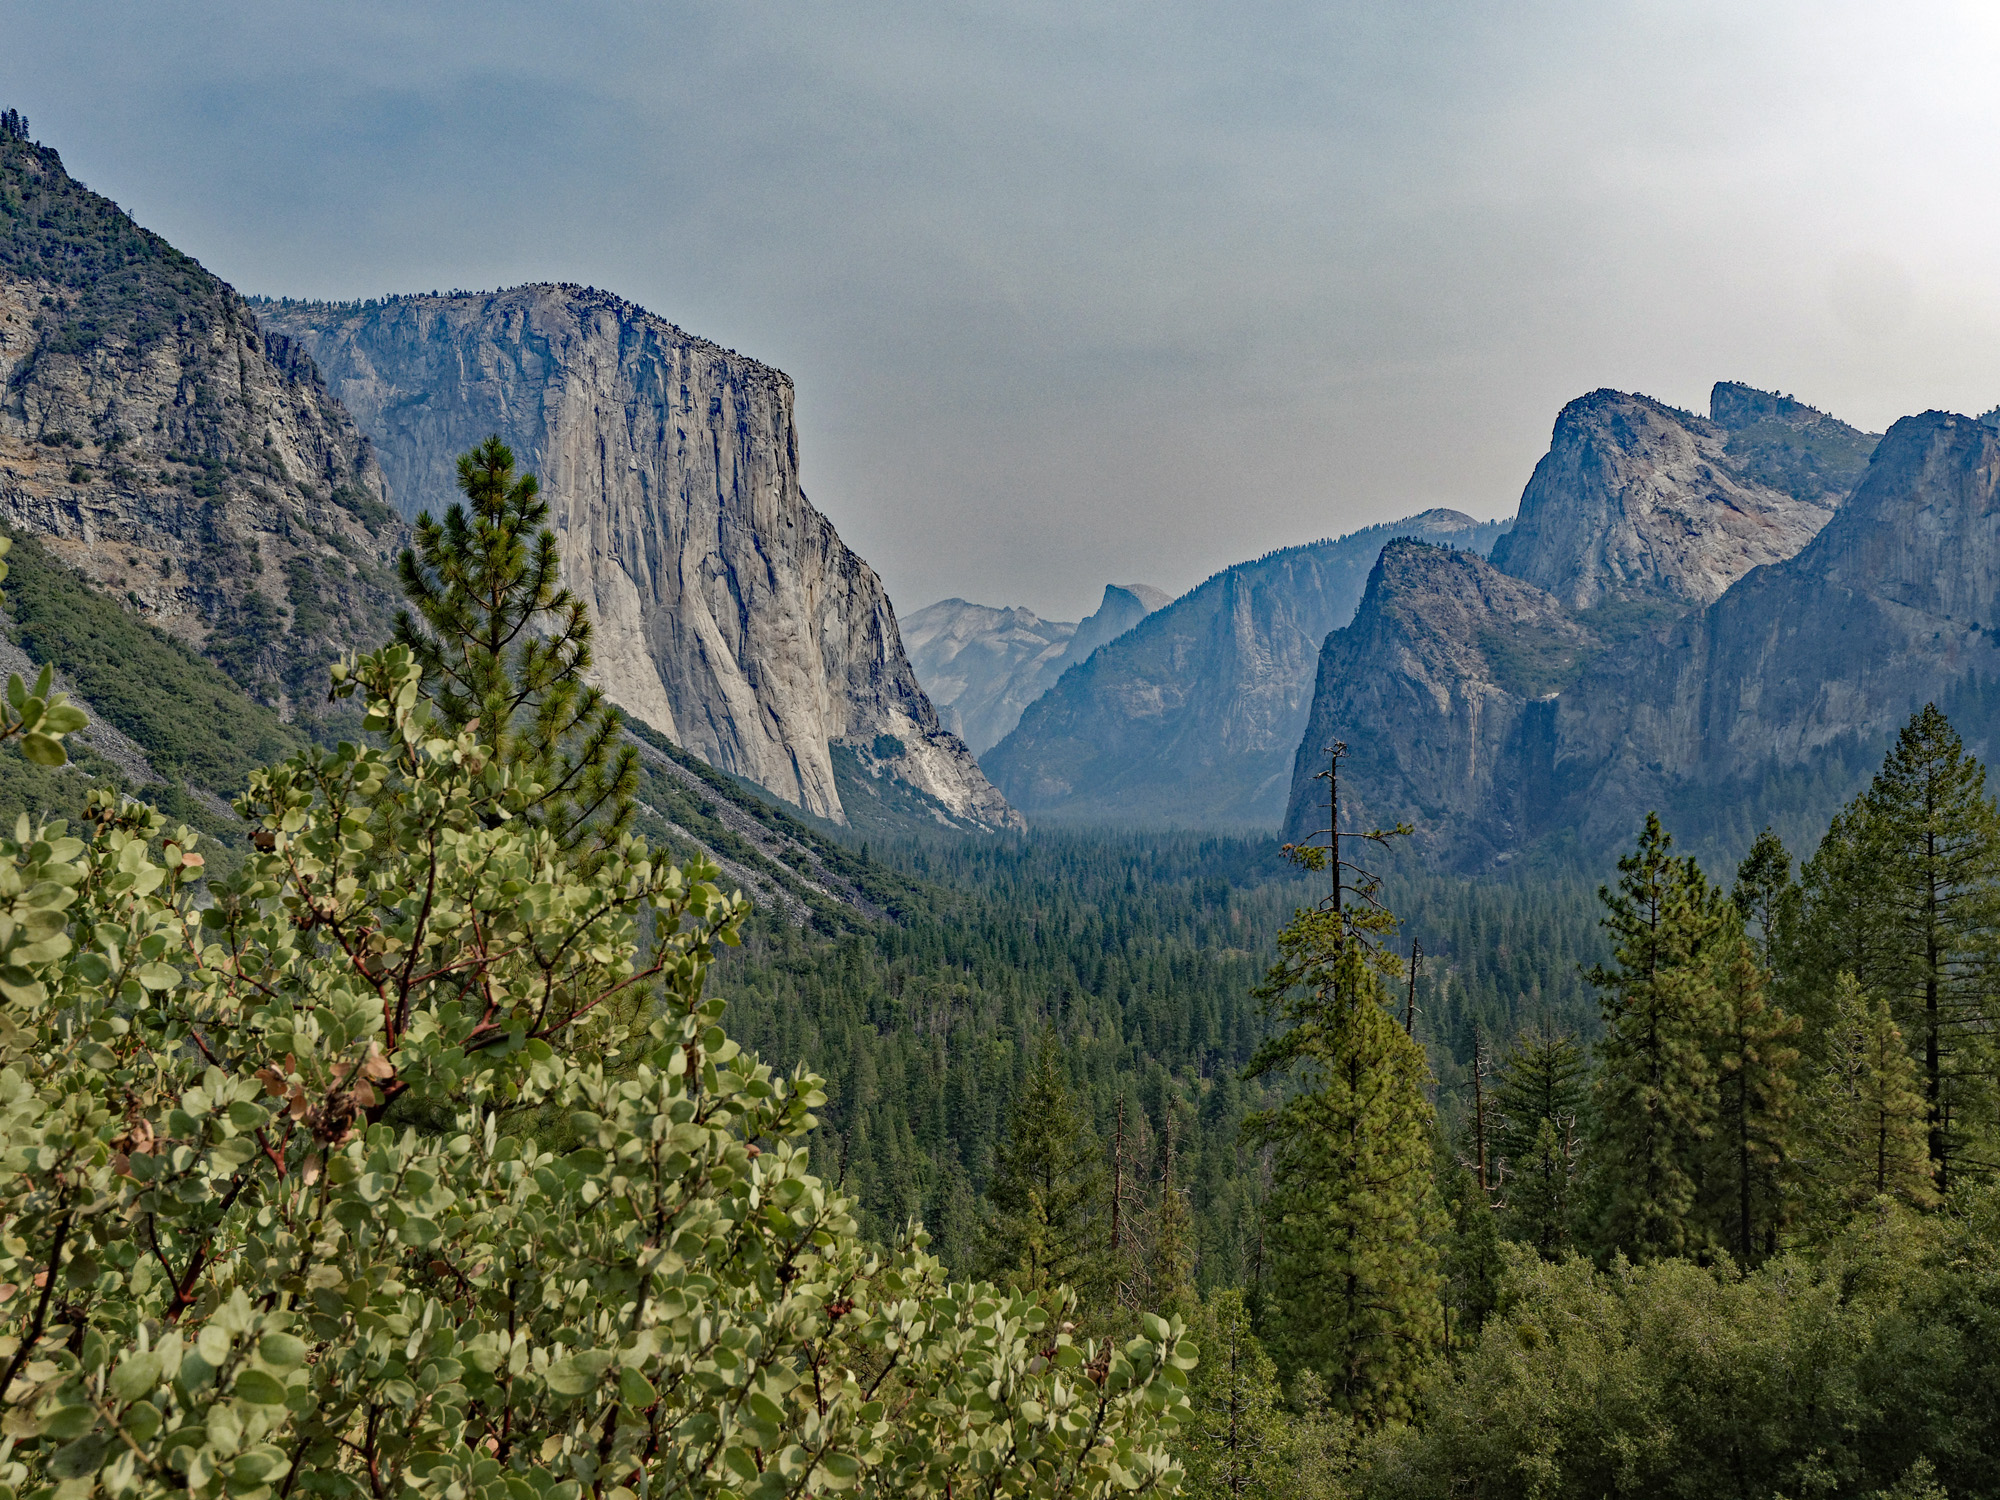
1082	293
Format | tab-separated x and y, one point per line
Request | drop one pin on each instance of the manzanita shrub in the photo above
407	1160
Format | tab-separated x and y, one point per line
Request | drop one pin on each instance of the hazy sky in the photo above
1124	291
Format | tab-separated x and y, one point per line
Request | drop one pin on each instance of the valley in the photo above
1612	1108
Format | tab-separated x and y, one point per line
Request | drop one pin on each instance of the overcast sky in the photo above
1120	291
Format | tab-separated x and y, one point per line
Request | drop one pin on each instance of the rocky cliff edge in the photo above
730	615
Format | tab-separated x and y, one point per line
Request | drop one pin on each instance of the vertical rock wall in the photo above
730	615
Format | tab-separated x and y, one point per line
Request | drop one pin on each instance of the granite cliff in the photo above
1895	603
730	616
182	457
1496	720
1636	499
1192	717
1442	690
982	666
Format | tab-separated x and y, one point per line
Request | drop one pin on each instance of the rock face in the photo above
982	666
1895	603
730	616
1123	606
1582	723
1637	500
1440	691
1193	717
183	458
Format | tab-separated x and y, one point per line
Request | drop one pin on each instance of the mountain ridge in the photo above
1192	717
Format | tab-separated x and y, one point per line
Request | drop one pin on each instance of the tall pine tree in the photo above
1867	1118
1655	1097
1234	1440
1538	1103
1351	1291
1749	1161
1904	894
503	644
1043	1229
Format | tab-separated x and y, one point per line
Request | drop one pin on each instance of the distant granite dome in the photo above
1192	717
730	616
982	666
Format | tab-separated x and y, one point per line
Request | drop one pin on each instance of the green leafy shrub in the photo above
398	1163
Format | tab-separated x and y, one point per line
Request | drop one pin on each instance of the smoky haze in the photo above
1117	292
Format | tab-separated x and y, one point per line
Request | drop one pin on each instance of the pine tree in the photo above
1351	1283
1904	894
503	644
1470	1257
1748	1163
1042	1230
1538	1101
1868	1121
1766	897
1655	1094
1234	1442
1171	1268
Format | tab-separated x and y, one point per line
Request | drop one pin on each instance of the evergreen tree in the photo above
1749	1160
504	646
1538	1101
1655	1093
1470	1257
1233	1441
1904	894
1766	897
1868	1121
1042	1229
1351	1286
1171	1268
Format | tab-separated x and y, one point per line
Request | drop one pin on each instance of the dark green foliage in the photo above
1765	896
1043	1227
1538	1103
1351	1290
1866	1135
1838	1376
1747	1170
1139	951
1470	1259
1904	894
504	646
194	723
1655	1090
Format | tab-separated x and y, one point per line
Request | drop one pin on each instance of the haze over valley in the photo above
1068	755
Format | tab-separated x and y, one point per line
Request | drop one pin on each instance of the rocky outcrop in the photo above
1443	690
184	459
1551	728
730	616
1123	606
1895	603
982	666
1193	717
1780	442
1636	500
